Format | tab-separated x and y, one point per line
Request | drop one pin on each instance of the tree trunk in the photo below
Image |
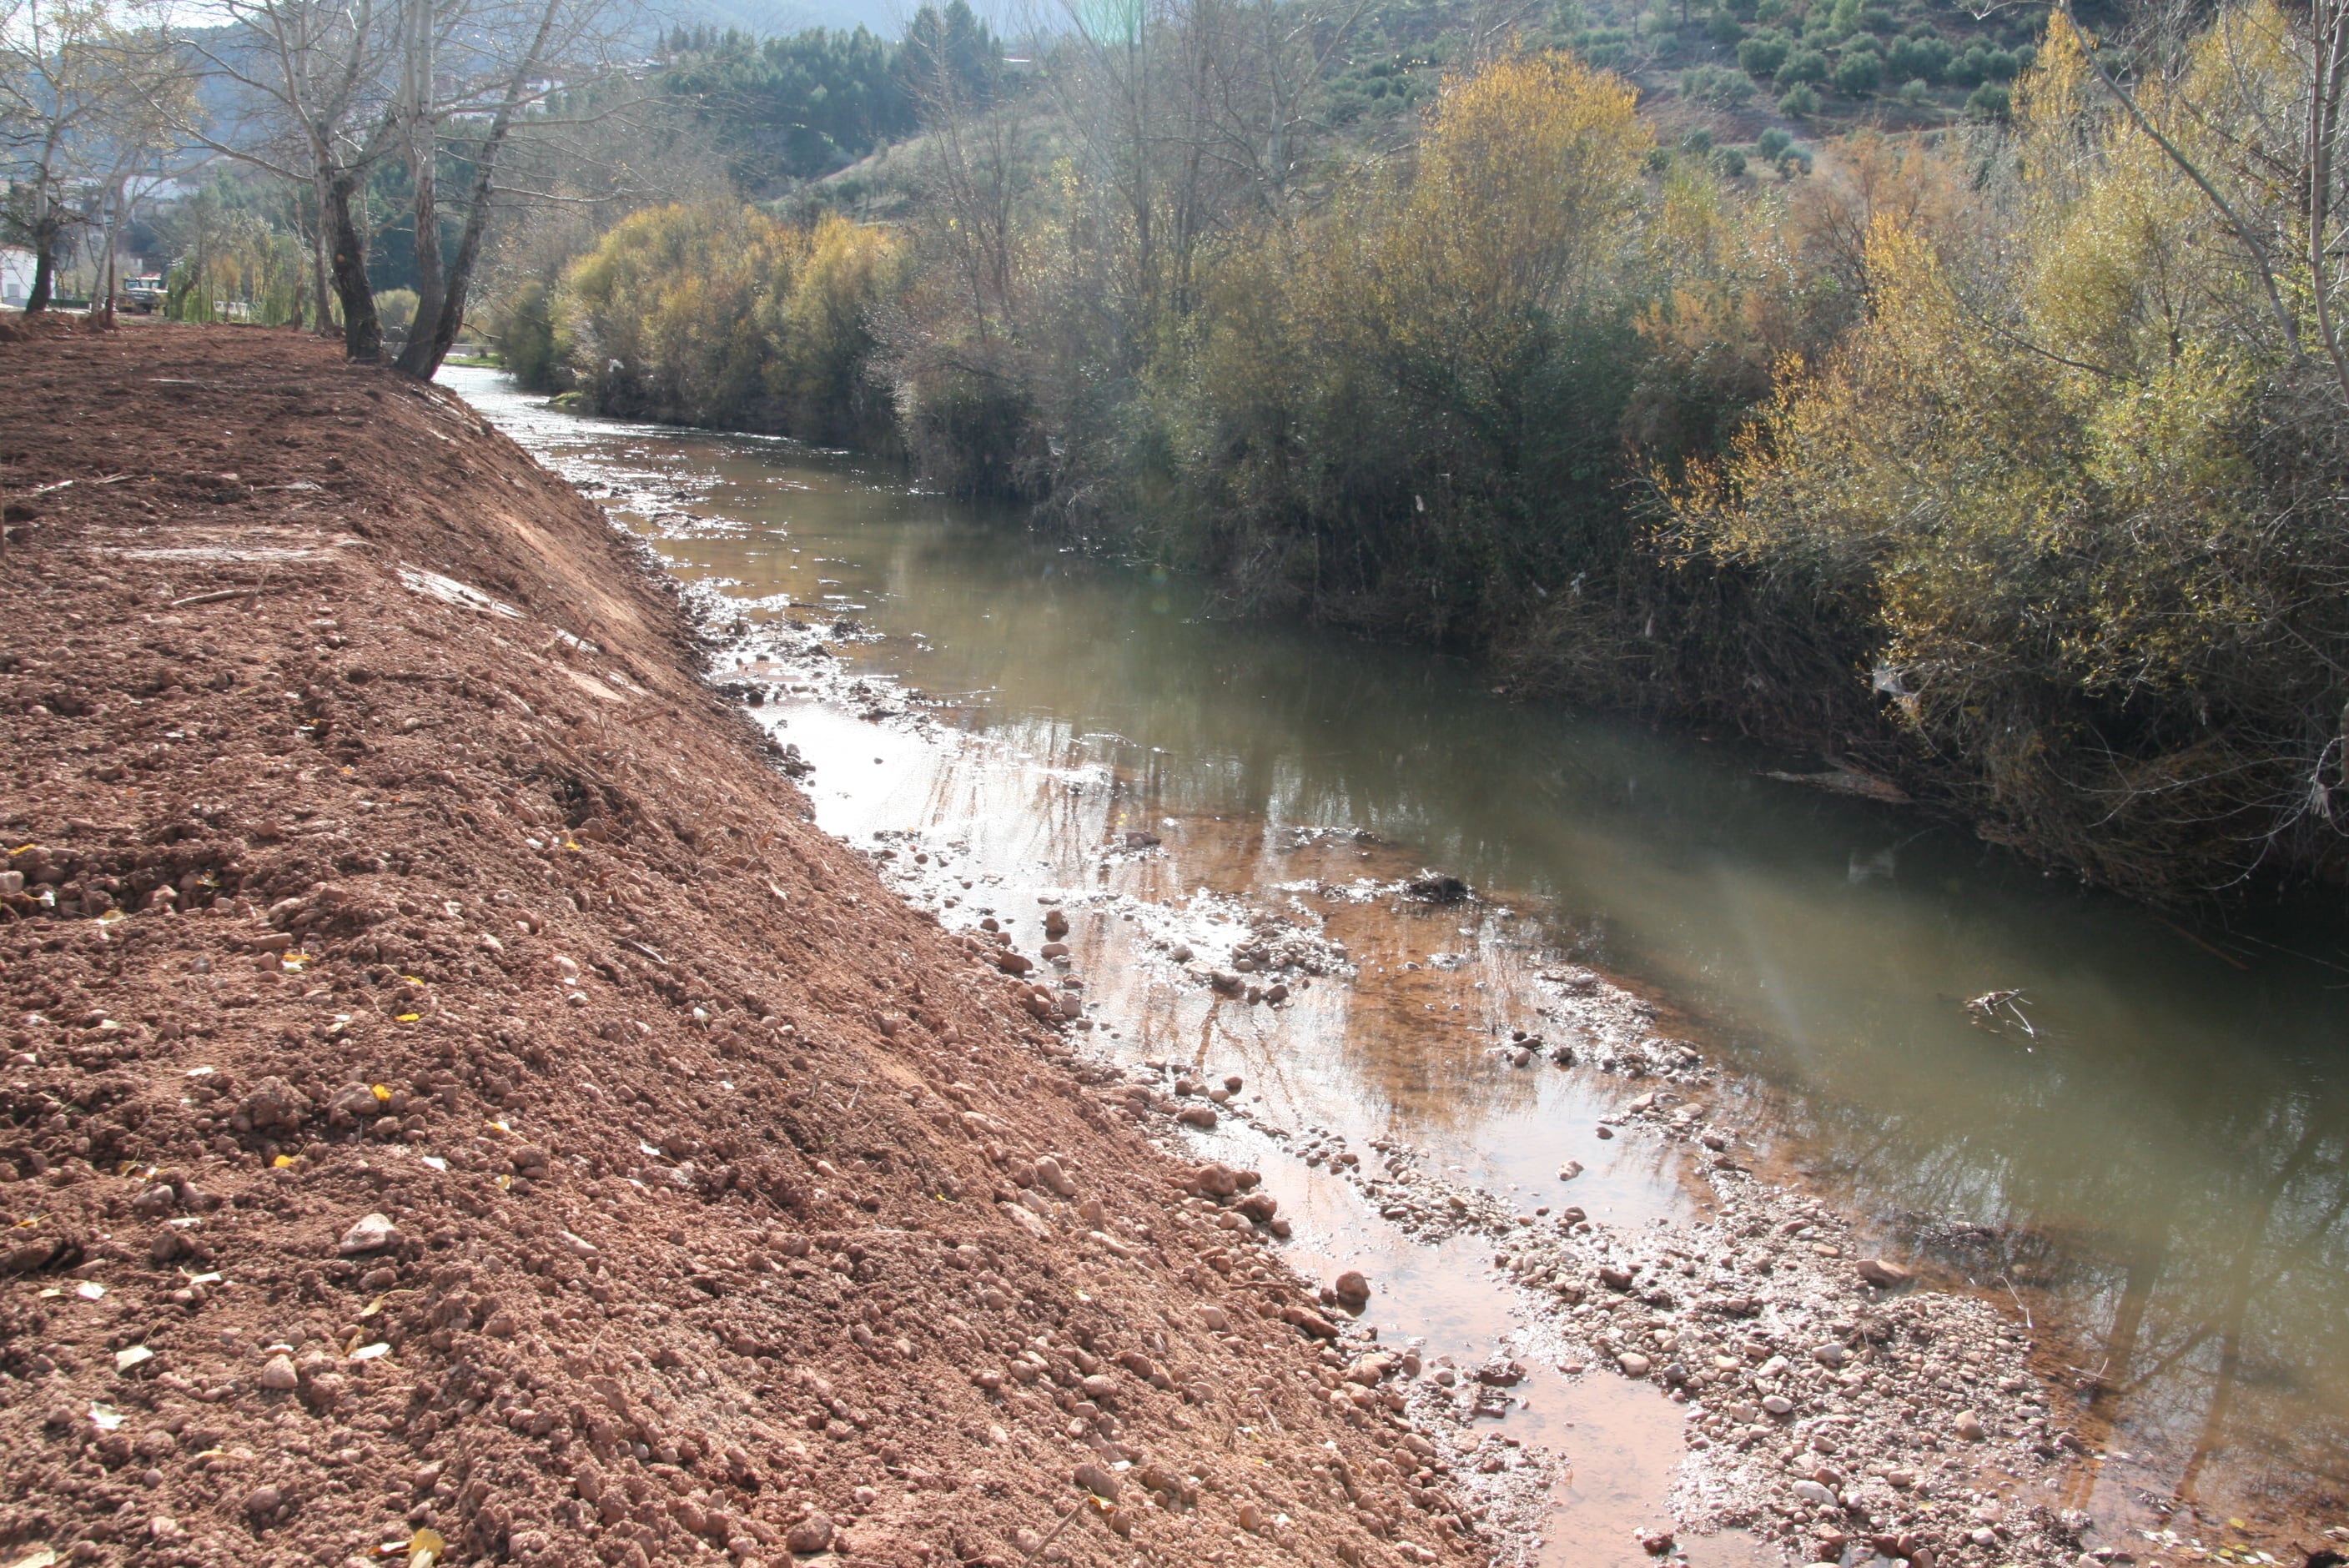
318	253
421	139
362	333
431	338
45	272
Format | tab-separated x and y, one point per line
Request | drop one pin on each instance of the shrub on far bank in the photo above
726	316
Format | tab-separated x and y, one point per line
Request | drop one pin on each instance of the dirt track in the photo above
455	1097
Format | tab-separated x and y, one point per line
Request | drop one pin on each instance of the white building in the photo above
16	276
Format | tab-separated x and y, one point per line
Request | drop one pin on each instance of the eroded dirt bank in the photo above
456	1102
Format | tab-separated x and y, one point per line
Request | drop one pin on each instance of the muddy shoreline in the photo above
1836	1409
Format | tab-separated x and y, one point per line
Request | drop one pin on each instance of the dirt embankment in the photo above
453	1098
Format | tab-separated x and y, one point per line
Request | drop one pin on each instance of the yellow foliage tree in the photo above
2068	471
726	316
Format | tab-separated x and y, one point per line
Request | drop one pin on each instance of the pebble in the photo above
1606	1132
1049	1172
1777	1404
1353	1287
1634	1364
1830	1355
1883	1275
369	1234
1970	1427
810	1535
1815	1494
278	1374
263	1500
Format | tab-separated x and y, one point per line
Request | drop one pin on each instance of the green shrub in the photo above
1773	142
1731	162
1800	103
1858	73
1716	85
526	336
1914	92
1925	58
1991	100
1762	54
1725	29
1804	67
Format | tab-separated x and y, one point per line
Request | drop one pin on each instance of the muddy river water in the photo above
2142	1151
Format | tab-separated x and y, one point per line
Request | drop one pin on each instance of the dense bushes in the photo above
724	315
2081	486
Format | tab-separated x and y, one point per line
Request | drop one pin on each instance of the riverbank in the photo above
458	1100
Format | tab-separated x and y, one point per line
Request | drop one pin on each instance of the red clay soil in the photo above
453	1095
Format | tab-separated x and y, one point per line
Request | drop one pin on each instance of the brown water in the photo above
2148	1151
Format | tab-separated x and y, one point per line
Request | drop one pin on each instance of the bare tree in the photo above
328	90
79	85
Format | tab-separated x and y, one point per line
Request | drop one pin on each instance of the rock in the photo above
1135	838
1216	1319
1633	1364
263	1501
1777	1405
1829	1355
370	1234
1353	1288
1883	1275
1657	1543
1218	1180
1614	1277
1606	1132
1311	1323
1056	925
1049	1172
810	1535
1569	1170
1200	1116
1970	1427
1053	950
1227	983
277	1375
1100	1483
1012	963
1815	1494
353	1101
273	1103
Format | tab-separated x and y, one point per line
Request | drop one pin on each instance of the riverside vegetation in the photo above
2002	458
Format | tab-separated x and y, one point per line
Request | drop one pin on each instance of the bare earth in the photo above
455	1101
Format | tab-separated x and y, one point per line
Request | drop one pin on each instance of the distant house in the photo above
16	276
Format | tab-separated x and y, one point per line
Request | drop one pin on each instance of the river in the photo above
2144	1146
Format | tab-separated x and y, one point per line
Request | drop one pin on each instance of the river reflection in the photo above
2144	1147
